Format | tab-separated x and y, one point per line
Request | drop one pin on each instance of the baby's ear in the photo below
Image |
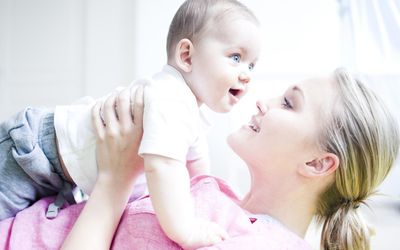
183	55
324	165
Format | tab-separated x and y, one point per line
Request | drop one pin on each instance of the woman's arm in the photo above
118	138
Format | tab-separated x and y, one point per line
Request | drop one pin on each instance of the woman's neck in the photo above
290	204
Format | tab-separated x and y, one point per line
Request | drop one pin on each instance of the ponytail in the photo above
366	150
345	229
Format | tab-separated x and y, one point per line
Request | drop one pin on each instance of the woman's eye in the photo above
236	58
286	104
251	66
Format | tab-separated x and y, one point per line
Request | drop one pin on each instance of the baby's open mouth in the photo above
234	92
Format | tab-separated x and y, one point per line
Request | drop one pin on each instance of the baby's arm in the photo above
198	162
199	166
169	187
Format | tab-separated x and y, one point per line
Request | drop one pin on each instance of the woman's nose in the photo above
262	107
244	77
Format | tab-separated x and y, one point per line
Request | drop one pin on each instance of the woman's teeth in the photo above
254	128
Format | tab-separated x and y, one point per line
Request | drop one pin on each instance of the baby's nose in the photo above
244	78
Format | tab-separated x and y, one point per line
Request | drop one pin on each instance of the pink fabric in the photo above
139	229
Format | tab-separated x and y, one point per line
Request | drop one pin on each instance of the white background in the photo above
55	51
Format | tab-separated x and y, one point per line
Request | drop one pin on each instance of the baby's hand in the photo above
204	233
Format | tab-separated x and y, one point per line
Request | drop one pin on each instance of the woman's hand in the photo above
118	126
119	129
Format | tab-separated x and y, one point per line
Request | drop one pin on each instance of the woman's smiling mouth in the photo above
254	125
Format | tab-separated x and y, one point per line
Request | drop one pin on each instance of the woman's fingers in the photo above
119	113
123	109
97	120
137	109
110	114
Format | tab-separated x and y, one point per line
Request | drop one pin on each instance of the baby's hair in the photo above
193	16
365	137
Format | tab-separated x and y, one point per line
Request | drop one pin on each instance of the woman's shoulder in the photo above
212	183
263	236
279	237
259	242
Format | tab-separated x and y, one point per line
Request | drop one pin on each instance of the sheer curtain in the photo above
371	35
371	47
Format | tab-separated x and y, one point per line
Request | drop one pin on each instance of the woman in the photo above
320	150
316	151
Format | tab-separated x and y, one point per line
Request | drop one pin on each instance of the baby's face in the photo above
222	63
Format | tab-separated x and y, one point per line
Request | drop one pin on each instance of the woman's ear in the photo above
183	55
324	165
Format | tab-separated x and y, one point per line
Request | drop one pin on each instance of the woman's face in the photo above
285	130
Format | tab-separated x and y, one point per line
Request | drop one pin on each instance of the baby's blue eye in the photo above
251	66
236	58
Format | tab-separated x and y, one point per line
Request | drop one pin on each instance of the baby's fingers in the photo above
218	234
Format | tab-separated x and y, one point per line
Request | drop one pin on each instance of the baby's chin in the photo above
221	108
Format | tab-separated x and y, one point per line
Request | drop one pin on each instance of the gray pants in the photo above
29	165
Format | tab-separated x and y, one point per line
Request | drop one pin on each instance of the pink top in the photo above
139	228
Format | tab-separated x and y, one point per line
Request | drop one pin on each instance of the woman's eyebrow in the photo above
298	90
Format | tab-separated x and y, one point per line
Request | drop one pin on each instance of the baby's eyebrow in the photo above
241	49
245	51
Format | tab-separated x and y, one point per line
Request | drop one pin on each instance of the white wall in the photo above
40	53
153	18
53	52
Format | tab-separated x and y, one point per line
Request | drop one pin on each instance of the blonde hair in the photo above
192	17
365	137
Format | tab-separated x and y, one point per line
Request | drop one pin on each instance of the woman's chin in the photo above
233	141
229	140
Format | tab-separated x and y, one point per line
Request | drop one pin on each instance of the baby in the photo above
212	47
